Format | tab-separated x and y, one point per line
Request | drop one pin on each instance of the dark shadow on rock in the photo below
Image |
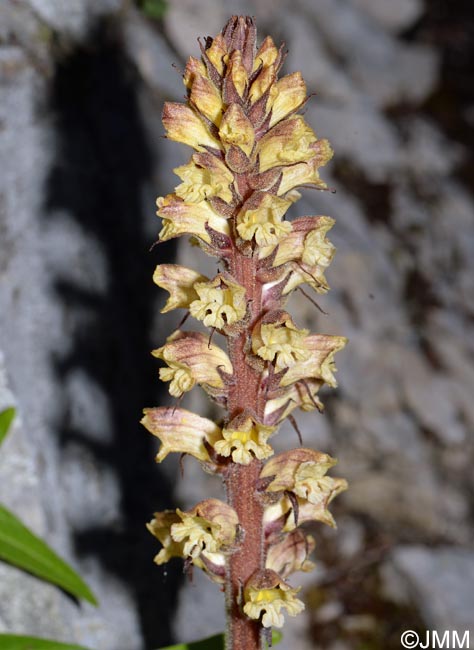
103	162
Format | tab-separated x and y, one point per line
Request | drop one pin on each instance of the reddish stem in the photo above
244	633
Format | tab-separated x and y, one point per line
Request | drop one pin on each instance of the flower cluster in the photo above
252	150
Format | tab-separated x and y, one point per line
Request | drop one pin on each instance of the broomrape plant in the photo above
252	150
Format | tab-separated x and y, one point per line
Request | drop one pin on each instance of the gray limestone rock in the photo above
441	581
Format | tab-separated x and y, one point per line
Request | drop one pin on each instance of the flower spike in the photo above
252	151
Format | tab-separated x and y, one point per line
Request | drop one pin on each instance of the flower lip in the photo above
211	525
244	438
266	594
277	339
221	302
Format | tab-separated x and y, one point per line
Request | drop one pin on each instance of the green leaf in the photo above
19	546
215	642
17	642
277	636
6	419
154	8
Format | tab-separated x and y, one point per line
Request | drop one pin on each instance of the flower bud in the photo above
182	124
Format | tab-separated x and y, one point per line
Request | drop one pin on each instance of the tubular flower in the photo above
290	141
306	173
289	96
162	527
266	594
263	222
302	394
221	302
205	176
307	242
211	525
245	439
182	218
280	342
184	125
193	360
237	130
206	98
319	364
291	511
301	471
290	552
304	255
179	282
252	150
180	431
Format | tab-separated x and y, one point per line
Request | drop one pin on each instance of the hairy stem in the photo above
244	633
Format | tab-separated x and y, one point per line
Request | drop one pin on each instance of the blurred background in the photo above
82	157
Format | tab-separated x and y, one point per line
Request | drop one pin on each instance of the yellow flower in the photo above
217	52
237	130
301	471
317	249
206	98
266	594
182	218
180	377
290	552
290	141
245	439
213	564
204	176
160	527
316	510
305	253
179	281
267	55
280	342
193	67
211	525
307	242
193	360
306	173
237	72
320	361
264	81
291	94
182	124
221	302
299	395
261	218
181	431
